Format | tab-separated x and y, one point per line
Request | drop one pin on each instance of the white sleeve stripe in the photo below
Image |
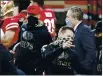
11	27
12	24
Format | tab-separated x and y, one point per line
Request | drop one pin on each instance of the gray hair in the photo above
76	12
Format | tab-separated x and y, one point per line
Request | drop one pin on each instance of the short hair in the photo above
76	12
39	2
65	28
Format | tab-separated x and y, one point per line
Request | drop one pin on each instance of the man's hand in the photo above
12	52
43	48
67	44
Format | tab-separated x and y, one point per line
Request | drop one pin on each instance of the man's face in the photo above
67	36
69	17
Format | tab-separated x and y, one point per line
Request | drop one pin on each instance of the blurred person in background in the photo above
34	36
84	42
10	26
98	35
47	16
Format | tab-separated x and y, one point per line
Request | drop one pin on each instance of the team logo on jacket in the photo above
27	35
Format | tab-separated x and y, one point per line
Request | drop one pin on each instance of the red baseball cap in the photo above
33	9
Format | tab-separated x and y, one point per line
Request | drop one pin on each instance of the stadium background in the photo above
92	9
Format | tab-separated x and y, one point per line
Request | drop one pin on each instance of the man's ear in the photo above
73	16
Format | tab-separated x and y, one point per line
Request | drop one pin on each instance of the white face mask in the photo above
68	23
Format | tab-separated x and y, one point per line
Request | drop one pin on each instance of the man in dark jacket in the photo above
59	53
84	42
7	66
34	36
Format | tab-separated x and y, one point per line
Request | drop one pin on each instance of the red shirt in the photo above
11	24
48	17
